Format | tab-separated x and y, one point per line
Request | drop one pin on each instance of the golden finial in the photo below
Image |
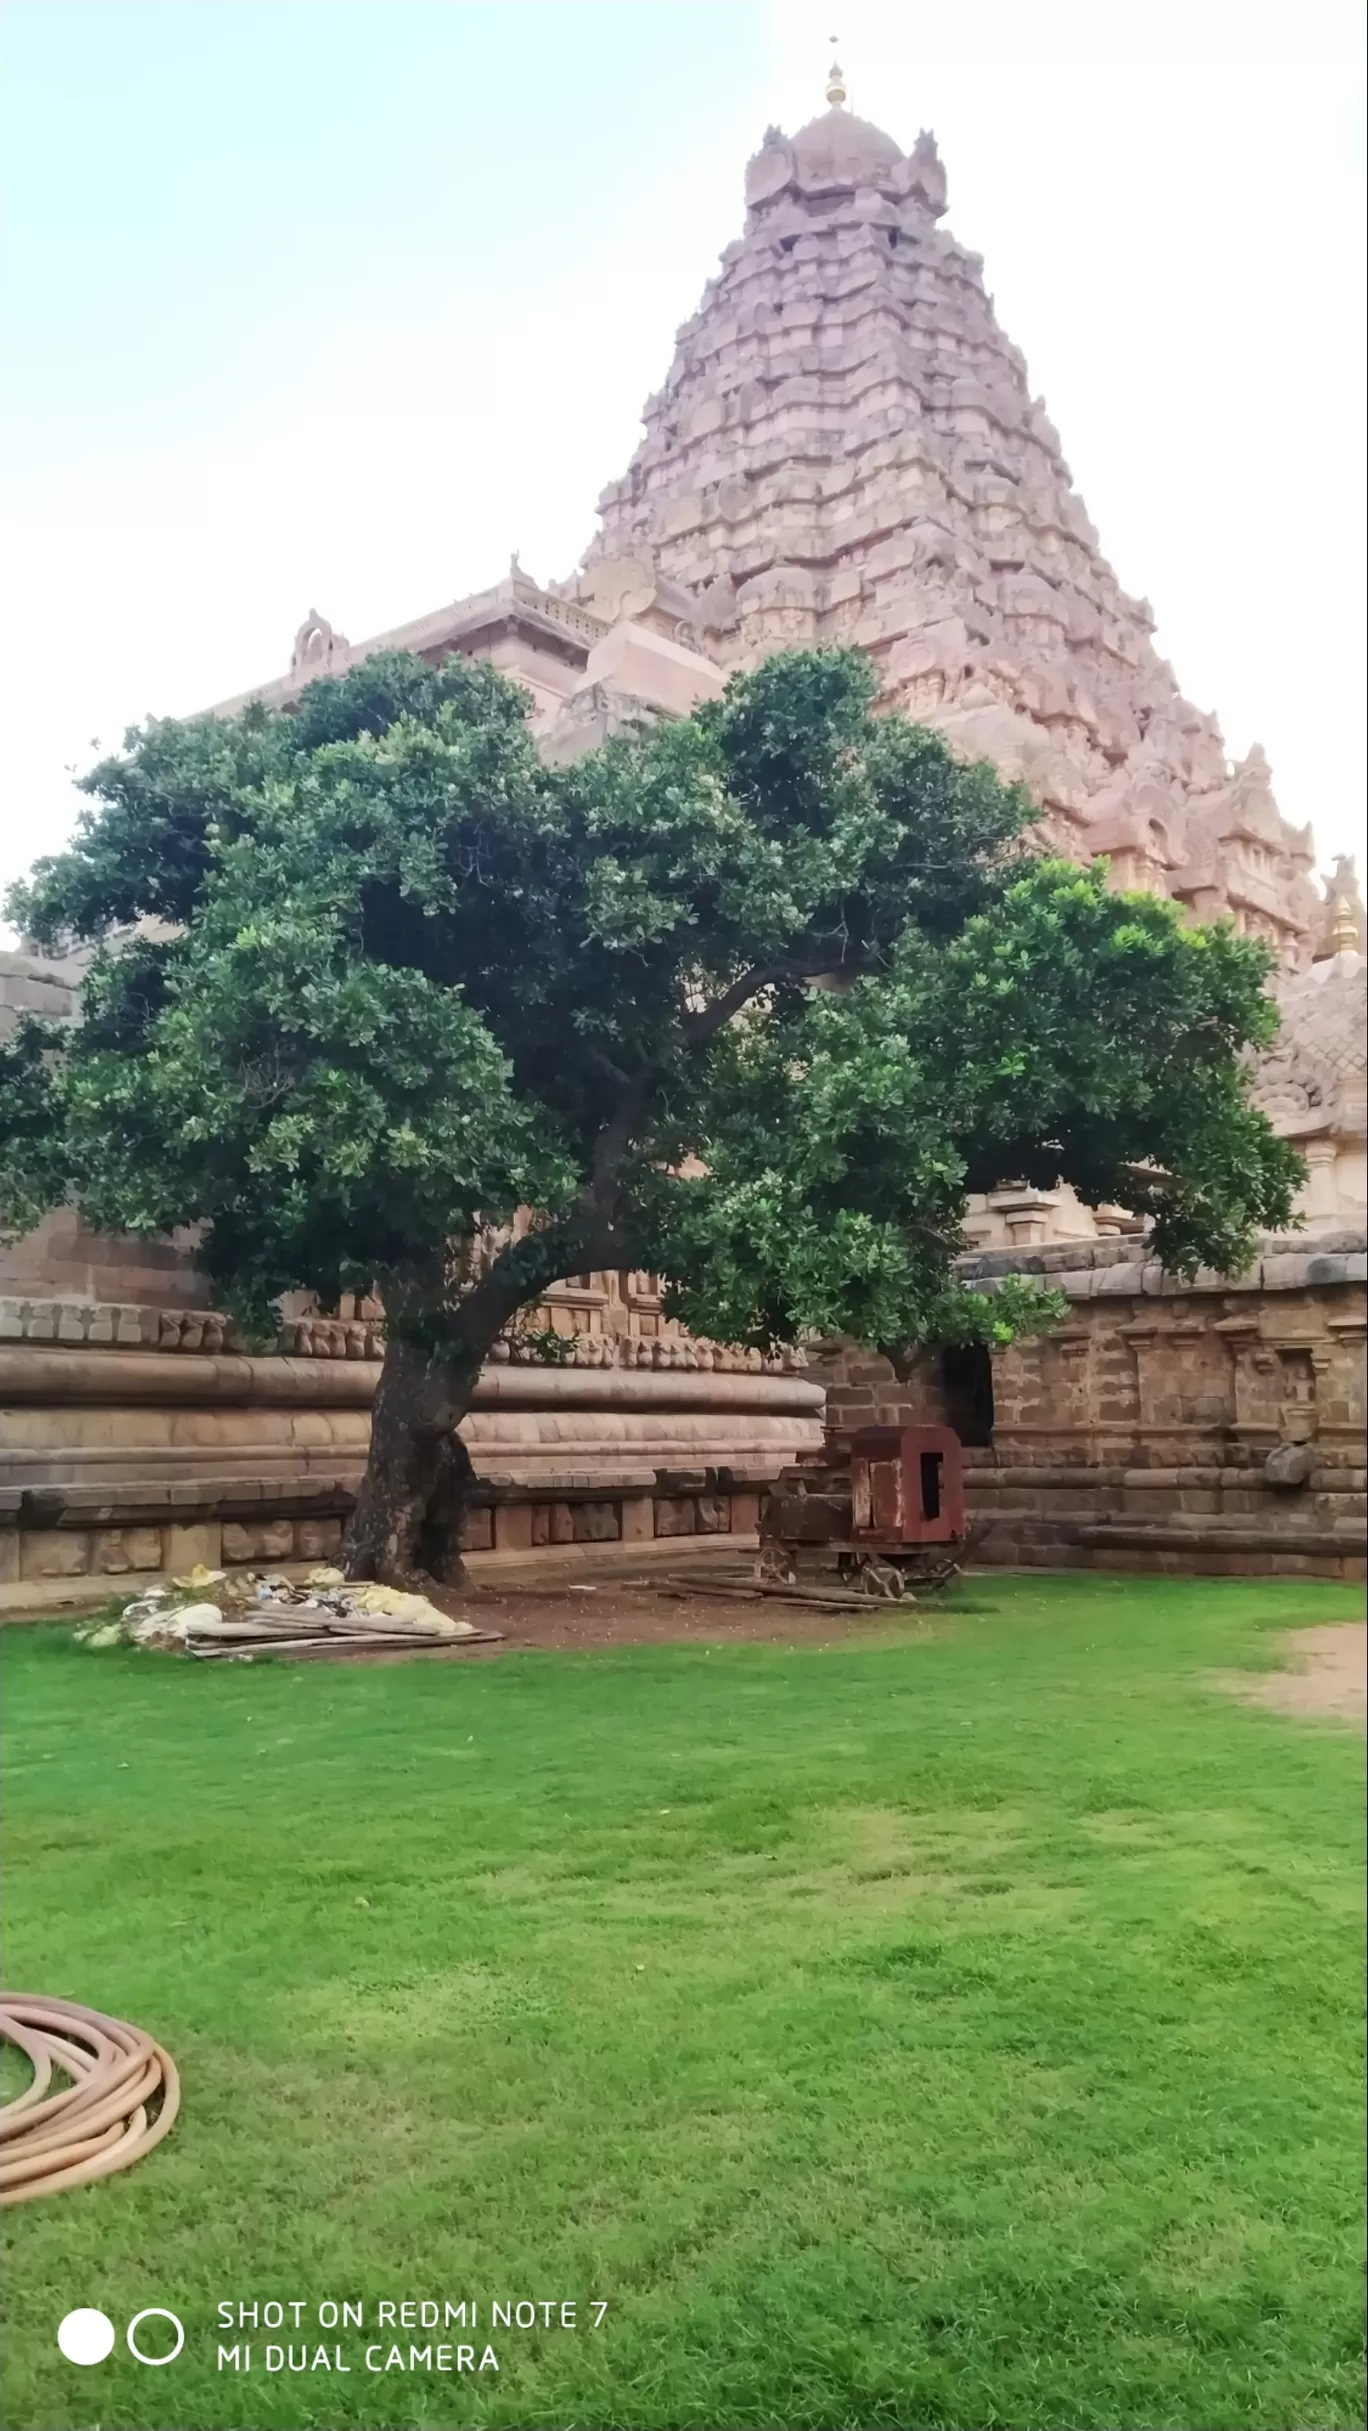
1344	909
836	83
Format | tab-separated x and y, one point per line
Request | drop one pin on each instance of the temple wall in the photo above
136	1440
1212	1427
62	1260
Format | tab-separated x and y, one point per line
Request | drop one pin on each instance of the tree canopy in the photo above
752	1000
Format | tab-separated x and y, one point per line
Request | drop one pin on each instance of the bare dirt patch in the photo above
596	1614
1327	1675
686	1606
582	1619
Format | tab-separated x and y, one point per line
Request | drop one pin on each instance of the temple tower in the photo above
846	449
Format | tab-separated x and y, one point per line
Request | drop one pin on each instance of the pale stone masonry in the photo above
123	1458
845	448
1211	1427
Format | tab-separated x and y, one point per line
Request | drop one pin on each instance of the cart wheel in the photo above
775	1568
938	1574
881	1579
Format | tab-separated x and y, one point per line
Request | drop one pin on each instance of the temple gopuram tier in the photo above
845	449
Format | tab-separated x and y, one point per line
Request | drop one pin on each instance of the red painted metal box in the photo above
907	1486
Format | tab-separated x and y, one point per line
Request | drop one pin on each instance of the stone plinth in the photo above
121	1459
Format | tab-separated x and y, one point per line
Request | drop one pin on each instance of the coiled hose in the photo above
106	2117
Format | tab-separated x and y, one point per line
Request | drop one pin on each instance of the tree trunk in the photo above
406	1528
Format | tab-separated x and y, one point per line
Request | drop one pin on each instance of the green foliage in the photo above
1066	1032
34	1168
540	1343
394	978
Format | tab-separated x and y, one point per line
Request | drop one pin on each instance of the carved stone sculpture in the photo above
846	447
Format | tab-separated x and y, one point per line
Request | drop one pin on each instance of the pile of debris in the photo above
216	1617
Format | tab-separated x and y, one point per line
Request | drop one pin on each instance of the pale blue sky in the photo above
189	185
335	305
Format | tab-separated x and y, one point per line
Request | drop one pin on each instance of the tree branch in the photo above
701	1026
614	1140
591	1240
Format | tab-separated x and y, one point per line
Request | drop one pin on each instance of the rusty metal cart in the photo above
885	1521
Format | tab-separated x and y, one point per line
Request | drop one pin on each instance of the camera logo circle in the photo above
86	2335
154	2312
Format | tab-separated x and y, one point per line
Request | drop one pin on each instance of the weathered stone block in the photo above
676	1516
714	1514
562	1527
513	1527
745	1514
1116	1282
477	1529
183	1547
118	1549
268	1540
637	1518
54	1553
1290	1465
317	1540
596	1523
1327	1270
1287	1272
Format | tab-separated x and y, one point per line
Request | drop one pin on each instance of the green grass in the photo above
950	2030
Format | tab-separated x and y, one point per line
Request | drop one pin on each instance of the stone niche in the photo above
1212	1427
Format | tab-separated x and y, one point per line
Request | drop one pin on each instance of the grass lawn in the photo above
954	2029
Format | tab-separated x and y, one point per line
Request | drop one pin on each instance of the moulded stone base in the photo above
74	1556
33	1598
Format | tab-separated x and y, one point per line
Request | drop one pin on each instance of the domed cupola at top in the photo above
839	149
838	153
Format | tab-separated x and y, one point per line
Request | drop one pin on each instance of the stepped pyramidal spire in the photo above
846	449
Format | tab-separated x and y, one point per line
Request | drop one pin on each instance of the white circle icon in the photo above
155	2312
86	2335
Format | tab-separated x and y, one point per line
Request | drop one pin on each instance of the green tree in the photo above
752	1001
